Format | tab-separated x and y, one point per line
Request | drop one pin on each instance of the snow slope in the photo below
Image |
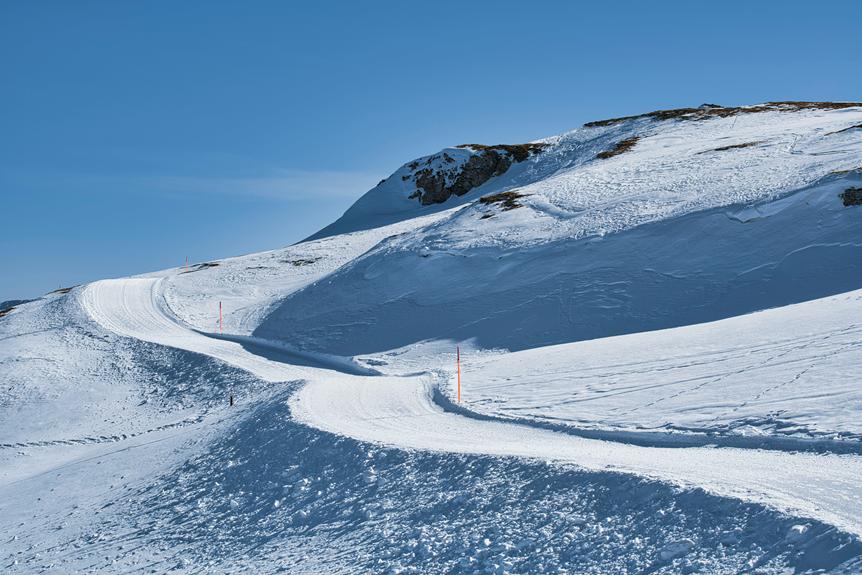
586	443
668	233
768	378
248	286
250	489
400	412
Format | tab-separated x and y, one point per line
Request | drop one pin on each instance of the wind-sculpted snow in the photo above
675	168
698	221
702	267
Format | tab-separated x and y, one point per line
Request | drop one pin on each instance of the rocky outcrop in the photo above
505	200
443	177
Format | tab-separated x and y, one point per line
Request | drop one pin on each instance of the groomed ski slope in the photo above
126	459
400	411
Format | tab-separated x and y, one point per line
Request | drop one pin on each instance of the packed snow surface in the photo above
400	411
770	377
658	322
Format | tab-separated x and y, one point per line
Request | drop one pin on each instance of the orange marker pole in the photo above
458	365
219	318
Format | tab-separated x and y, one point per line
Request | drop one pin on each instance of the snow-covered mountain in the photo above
658	317
690	222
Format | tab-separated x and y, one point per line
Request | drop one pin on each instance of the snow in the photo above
708	265
766	378
400	411
659	368
248	286
672	170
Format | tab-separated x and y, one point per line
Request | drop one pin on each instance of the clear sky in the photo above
133	134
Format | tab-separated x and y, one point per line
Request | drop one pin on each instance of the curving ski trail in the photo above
400	411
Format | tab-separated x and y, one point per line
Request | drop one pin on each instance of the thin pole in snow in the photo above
219	318
458	366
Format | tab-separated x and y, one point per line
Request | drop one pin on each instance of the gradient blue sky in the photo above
133	134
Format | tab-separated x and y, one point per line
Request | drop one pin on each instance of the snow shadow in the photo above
697	268
277	351
270	495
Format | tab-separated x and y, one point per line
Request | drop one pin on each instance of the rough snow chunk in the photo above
796	533
676	549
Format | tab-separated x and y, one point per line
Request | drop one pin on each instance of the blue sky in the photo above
133	134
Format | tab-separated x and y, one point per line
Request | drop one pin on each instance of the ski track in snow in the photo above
772	377
589	456
102	438
401	412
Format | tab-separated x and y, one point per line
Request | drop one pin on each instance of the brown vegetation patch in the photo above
714	111
622	146
508	200
3	312
852	197
63	290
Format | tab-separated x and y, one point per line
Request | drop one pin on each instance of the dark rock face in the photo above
852	197
433	186
475	172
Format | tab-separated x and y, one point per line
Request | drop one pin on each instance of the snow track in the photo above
401	412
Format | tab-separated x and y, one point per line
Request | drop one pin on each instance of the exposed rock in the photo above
435	186
475	172
852	197
519	152
508	200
